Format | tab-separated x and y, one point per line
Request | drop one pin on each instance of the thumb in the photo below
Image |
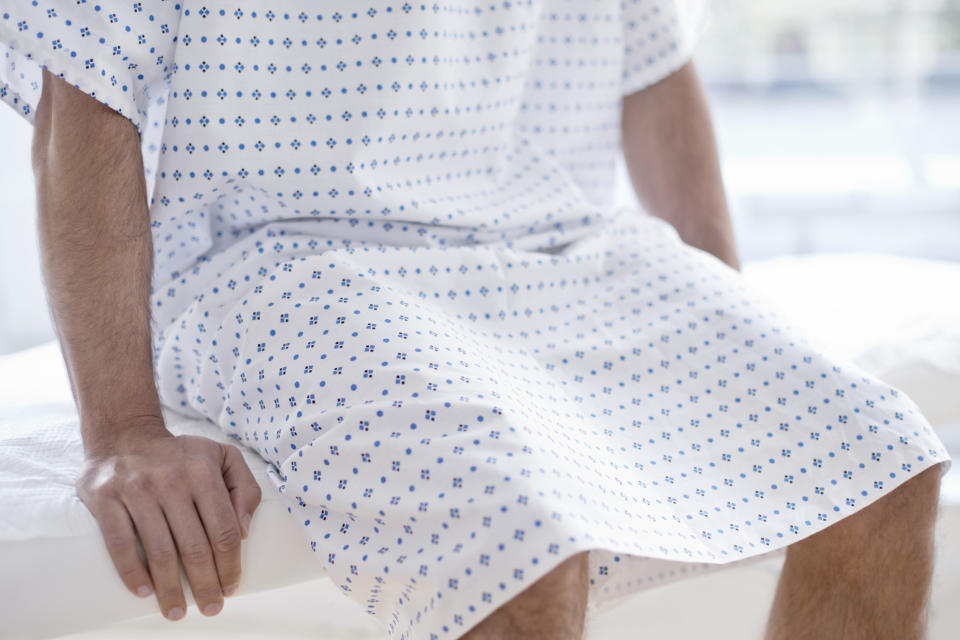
243	487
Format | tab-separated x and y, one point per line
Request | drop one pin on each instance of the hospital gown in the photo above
388	259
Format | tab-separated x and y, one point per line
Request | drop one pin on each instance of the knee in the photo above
919	493
893	518
569	580
914	501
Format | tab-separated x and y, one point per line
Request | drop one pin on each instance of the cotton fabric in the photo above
387	259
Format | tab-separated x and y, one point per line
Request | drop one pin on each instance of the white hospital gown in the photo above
387	259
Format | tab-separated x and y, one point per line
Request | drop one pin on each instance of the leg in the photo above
552	608
867	576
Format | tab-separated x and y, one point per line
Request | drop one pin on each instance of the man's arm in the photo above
182	496
671	156
94	233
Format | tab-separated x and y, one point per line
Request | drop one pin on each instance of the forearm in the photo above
95	244
671	157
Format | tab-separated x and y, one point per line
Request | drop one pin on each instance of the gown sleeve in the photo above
658	38
120	53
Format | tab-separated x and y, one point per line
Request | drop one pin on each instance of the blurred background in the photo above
838	123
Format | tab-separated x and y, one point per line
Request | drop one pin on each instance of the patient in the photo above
381	250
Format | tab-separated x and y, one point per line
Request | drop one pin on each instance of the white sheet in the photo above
53	558
893	316
51	550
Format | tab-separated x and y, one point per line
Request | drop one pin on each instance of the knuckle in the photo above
200	468
195	553
107	490
234	452
117	542
163	477
137	484
161	554
226	540
129	572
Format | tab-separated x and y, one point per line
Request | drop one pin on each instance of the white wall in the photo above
24	320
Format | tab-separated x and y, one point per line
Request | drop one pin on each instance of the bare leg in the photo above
867	576
552	608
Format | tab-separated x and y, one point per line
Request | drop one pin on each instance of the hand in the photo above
183	496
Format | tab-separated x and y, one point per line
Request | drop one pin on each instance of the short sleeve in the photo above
658	38
120	53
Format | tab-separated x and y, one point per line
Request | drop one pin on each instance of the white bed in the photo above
889	315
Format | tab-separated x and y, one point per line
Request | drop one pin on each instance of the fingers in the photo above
120	536
161	553
195	552
223	532
243	487
188	499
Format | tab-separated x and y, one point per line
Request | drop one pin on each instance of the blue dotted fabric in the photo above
387	260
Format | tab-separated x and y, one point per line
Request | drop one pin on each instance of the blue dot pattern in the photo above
387	260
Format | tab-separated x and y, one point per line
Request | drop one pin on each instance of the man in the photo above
193	498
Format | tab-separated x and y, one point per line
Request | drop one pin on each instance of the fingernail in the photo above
245	523
229	591
143	591
212	609
175	614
